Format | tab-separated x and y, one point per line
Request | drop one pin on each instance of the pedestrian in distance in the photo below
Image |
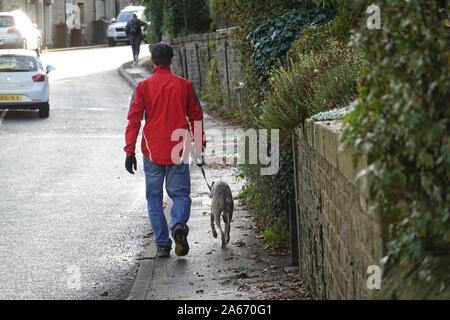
169	105
133	31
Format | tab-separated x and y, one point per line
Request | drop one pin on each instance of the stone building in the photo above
51	18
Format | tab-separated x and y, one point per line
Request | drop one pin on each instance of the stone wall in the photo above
194	53
339	237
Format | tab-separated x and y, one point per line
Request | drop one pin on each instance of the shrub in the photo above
154	12
267	30
219	101
323	79
177	18
269	196
403	122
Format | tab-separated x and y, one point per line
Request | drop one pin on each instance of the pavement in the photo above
72	219
245	270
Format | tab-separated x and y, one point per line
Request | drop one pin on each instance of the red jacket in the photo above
169	103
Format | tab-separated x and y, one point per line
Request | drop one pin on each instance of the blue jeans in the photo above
178	187
135	43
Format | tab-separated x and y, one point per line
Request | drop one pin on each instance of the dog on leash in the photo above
222	205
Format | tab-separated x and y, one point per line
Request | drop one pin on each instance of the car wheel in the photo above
44	110
111	42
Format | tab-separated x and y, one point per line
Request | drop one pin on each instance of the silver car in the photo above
18	32
24	81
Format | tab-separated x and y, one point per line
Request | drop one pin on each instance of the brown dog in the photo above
222	205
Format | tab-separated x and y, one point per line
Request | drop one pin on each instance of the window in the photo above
105	13
6	21
11	63
125	16
82	13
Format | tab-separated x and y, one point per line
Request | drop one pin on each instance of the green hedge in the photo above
320	77
175	18
402	122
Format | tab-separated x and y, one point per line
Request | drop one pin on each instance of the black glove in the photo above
131	163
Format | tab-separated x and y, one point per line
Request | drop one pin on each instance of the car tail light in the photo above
39	78
13	30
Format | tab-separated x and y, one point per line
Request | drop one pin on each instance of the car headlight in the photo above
110	28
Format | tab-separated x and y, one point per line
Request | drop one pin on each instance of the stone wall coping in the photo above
218	35
326	138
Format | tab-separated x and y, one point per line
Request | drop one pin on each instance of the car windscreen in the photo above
6	21
126	16
13	63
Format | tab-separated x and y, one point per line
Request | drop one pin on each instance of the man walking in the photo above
133	31
170	106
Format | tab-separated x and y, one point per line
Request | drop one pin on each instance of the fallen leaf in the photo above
291	269
244	287
264	286
239	243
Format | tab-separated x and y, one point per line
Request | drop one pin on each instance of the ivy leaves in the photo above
272	40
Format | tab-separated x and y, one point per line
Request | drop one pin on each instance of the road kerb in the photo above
125	74
75	48
2	115
144	275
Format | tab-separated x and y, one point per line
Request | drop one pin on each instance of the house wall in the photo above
50	15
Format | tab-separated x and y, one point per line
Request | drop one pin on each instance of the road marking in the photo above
2	116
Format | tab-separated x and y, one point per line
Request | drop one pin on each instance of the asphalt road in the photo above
71	218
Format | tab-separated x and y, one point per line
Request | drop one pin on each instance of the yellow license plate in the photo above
10	98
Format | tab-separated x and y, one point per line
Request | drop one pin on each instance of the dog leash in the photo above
206	180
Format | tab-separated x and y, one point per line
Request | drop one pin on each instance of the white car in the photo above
24	81
116	31
18	32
